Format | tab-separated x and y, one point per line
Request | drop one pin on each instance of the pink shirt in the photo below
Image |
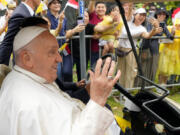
94	19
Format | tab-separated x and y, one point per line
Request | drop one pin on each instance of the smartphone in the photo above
80	20
3	12
162	25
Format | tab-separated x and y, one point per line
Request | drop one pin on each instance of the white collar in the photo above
30	74
31	11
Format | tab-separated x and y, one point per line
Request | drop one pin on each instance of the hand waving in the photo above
102	82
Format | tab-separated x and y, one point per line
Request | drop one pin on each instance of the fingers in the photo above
91	74
116	78
98	67
112	68
106	67
79	28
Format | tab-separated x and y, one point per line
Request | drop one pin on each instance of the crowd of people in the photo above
106	25
39	96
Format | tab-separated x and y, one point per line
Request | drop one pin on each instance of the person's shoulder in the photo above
92	15
141	28
107	18
21	10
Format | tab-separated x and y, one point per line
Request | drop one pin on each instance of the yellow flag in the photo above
63	47
3	2
41	7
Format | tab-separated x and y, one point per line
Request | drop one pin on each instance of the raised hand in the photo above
102	82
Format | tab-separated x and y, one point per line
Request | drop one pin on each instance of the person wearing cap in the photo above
65	68
127	63
25	9
150	47
32	104
169	60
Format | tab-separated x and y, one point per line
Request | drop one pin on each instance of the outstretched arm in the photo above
101	28
59	27
77	29
91	6
155	30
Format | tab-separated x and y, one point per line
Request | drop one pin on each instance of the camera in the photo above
3	12
162	25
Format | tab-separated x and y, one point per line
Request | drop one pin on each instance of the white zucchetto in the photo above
26	35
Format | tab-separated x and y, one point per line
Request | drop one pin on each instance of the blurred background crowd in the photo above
155	28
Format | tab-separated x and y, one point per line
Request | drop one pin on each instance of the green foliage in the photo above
175	97
170	6
115	106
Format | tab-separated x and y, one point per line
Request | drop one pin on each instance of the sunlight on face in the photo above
140	18
46	56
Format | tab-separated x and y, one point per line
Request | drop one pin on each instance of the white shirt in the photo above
136	31
30	106
31	11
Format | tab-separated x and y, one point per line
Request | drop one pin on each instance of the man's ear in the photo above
27	59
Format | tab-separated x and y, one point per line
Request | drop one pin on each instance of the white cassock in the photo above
30	106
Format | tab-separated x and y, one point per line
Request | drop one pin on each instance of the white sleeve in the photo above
94	120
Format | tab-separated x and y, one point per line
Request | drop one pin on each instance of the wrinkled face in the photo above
45	56
140	18
115	13
161	17
55	6
100	9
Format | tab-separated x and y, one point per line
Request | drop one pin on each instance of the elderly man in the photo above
32	104
25	9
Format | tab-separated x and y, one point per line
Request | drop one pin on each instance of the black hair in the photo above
100	2
152	5
111	8
33	21
161	10
143	24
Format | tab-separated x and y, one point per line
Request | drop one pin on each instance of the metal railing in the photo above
135	88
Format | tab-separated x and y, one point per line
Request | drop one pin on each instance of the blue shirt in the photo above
54	24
